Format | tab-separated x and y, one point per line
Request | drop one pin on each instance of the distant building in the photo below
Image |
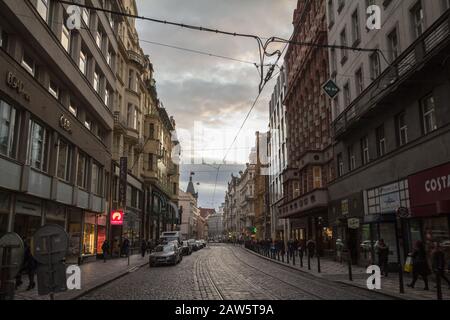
215	225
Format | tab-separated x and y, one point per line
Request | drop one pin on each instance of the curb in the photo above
319	277
114	278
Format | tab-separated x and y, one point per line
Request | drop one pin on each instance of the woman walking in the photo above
420	265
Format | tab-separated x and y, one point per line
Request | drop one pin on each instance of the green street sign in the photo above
331	88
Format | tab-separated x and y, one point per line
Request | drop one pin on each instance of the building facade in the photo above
391	126
189	212
277	156
308	117
57	122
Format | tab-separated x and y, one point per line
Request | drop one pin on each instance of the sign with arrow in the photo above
331	88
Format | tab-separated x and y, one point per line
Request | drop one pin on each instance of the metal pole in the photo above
309	260
350	274
438	286
399	262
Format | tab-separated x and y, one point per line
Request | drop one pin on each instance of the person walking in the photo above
29	267
143	247
311	246
383	257
125	247
105	249
438	262
420	265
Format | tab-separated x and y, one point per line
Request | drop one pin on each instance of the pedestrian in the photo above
311	246
438	262
29	266
125	247
105	249
420	265
143	247
383	256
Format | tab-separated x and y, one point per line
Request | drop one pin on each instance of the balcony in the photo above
172	170
317	199
120	123
427	47
137	58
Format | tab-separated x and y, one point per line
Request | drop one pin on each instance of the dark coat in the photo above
420	263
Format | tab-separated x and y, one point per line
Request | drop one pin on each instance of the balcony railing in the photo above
136	57
421	51
119	121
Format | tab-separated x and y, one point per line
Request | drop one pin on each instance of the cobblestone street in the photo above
230	273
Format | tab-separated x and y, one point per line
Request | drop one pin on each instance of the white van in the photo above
170	236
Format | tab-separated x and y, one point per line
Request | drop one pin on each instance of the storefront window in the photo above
437	230
25	225
4	210
74	230
415	234
387	233
89	234
101	233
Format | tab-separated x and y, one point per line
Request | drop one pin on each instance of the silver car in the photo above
167	254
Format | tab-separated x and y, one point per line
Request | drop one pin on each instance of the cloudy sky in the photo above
208	96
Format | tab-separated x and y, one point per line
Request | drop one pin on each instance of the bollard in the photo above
438	286
318	262
301	261
293	259
350	275
309	261
282	257
287	257
278	254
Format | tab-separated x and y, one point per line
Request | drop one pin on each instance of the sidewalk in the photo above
338	272
93	275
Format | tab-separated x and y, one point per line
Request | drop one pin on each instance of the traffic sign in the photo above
117	218
353	223
331	88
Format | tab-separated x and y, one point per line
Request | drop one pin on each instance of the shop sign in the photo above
117	218
65	124
123	181
430	186
389	202
344	207
353	223
16	84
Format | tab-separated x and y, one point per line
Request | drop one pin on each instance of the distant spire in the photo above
190	189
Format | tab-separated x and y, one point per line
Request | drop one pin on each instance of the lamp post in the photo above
319	241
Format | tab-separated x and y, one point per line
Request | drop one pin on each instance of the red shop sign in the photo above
430	186
117	218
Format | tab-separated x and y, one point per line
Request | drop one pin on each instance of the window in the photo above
359	81
7	129
88	123
402	129
3	38
340	163
330	13
109	58
65	38
343	37
96	182
98	39
64	160
351	158
295	190
428	112
53	89
365	150
42	8
356	31
130	79
393	45
96	83
418	19
347	97
381	141
73	109
28	64
375	68
107	97
85	16
317	175
38	146
82	172
83	62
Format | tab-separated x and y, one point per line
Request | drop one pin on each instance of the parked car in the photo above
169	236
194	244
203	242
186	248
199	244
168	254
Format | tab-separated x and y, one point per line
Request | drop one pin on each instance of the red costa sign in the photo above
117	218
430	187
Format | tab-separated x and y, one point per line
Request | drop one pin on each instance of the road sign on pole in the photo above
331	88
